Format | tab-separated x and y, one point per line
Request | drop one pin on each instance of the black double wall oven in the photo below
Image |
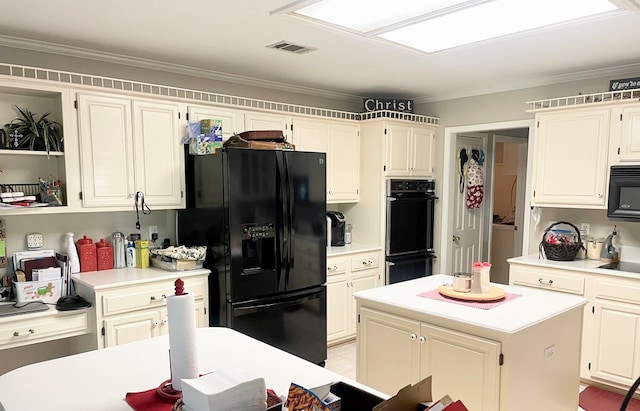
410	209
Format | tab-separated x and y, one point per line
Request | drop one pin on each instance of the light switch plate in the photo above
35	240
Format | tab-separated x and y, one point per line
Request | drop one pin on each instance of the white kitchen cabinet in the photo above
409	150
629	147
489	359
616	315
130	304
346	275
341	142
232	120
611	320
254	120
395	351
570	158
129	146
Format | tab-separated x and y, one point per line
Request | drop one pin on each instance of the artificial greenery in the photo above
39	134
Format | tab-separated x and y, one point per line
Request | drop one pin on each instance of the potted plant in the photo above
37	134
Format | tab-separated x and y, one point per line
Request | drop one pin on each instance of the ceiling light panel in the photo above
492	19
369	15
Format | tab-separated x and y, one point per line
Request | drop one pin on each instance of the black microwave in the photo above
624	193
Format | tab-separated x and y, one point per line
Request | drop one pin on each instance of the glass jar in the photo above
347	234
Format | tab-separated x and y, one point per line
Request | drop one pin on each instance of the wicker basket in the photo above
562	251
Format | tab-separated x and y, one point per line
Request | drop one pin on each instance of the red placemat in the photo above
149	401
485	305
596	399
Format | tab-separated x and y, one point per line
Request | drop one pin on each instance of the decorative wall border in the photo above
57	76
606	97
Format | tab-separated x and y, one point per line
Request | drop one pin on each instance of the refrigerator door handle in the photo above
290	211
282	243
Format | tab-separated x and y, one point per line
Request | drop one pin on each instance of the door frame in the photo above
450	172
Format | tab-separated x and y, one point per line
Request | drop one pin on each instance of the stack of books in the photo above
17	198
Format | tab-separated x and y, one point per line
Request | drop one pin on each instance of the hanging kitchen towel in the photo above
462	161
475	184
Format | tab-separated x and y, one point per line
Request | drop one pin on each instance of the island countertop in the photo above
534	306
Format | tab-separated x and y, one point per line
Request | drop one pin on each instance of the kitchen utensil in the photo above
608	252
594	248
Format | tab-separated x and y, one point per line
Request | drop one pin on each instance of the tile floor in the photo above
342	360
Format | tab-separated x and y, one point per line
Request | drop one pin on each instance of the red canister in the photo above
105	255
87	254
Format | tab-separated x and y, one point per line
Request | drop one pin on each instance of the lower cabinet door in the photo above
616	356
337	309
388	351
126	328
463	366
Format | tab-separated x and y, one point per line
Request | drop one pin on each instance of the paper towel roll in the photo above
183	352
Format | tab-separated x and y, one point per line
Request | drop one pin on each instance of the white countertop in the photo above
589	266
99	380
351	249
129	276
533	307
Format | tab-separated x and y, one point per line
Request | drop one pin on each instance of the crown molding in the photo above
79	52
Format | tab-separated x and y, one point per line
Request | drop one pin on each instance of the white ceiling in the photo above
227	40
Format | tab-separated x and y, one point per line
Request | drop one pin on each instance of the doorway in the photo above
466	235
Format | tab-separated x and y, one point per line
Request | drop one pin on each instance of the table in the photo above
99	379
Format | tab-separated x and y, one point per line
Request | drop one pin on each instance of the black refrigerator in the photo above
262	216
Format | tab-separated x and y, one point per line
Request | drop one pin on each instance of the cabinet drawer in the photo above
548	279
336	265
365	261
618	290
43	328
149	295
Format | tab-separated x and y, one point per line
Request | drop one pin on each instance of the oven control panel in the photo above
398	187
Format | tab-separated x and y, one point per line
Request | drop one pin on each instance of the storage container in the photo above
47	291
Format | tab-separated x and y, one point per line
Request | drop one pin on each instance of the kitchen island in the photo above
523	354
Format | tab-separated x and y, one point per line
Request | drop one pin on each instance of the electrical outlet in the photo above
584	228
549	353
153	229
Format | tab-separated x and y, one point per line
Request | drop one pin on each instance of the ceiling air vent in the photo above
290	47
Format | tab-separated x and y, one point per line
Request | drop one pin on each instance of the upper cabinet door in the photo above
570	164
106	151
129	146
310	135
399	149
268	121
630	139
158	152
343	163
232	120
423	142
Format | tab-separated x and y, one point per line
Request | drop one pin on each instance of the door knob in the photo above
456	238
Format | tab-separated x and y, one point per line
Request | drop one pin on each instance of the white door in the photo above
467	223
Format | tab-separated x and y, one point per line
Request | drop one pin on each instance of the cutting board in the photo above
495	293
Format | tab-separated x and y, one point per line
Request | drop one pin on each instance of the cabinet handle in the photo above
422	339
155	323
22	334
413	336
334	268
599	195
367	262
162	298
164	321
542	281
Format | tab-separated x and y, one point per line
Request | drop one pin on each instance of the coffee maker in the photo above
337	227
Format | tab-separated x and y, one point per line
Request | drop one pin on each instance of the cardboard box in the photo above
47	291
412	397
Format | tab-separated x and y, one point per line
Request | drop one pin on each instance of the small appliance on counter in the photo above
338	226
